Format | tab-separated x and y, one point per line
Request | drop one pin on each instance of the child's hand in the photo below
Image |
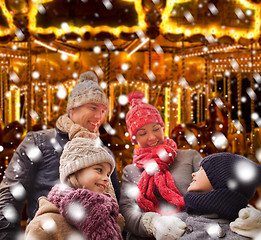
248	223
163	227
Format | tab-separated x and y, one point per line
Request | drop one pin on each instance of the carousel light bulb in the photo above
122	115
249	12
123	100
97	49
55	108
64	57
35	74
75	75
22	121
61	94
65	26
79	39
254	116
124	66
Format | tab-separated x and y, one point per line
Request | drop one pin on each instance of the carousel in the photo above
197	61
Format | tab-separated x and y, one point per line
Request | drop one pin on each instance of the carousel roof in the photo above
75	26
127	20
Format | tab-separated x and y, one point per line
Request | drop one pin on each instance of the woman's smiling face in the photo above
150	135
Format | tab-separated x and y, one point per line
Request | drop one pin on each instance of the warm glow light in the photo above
139	46
9	19
167	26
55	49
93	30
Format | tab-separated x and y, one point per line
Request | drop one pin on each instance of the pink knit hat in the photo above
140	114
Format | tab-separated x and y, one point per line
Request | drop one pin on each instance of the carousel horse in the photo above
209	136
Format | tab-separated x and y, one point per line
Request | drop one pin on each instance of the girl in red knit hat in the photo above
154	185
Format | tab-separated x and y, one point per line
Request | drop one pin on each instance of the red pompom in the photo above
135	95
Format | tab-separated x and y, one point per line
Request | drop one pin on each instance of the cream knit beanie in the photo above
80	153
86	91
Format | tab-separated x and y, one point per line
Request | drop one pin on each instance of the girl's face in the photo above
200	182
95	178
89	115
150	135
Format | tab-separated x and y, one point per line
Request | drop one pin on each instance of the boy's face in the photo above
200	182
150	135
95	178
89	115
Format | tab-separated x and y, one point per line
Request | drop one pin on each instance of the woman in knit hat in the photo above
35	163
154	185
222	187
82	202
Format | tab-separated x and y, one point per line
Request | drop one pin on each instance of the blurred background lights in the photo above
64	57
97	49
61	93
103	85
123	100
35	74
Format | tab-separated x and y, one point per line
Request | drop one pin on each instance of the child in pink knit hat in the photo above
158	178
84	202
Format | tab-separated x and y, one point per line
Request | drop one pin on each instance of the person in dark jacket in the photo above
34	167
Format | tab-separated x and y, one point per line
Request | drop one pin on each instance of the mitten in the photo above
163	227
248	223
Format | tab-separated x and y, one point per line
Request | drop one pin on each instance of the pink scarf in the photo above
161	157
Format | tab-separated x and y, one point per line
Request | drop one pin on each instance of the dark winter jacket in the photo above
33	168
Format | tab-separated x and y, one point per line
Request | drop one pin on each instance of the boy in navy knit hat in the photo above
223	185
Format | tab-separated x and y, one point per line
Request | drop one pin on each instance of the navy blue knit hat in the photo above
234	172
234	179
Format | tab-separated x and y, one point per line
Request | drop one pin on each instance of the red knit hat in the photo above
140	114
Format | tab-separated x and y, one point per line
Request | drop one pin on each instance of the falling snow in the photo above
34	153
18	191
109	129
163	155
123	100
214	230
245	172
219	140
151	167
10	213
48	225
76	212
61	93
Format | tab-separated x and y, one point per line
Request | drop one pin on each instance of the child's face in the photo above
200	182
150	135
95	178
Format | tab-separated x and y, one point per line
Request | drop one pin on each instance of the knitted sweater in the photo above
95	215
